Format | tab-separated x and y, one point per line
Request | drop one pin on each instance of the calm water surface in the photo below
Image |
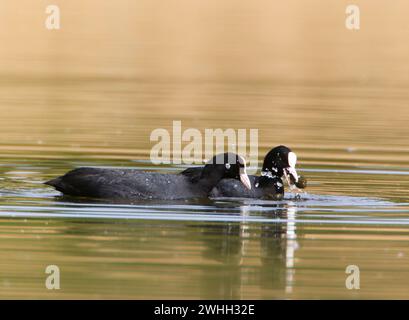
91	95
355	210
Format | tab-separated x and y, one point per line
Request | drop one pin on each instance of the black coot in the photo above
133	184
279	162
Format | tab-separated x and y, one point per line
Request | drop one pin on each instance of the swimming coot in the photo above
279	162
133	184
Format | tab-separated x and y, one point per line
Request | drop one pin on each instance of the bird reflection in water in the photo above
252	255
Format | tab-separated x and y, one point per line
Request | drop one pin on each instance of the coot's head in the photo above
230	165
281	161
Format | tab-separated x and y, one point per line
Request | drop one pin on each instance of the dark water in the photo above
91	93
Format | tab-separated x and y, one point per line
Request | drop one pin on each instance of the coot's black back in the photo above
123	184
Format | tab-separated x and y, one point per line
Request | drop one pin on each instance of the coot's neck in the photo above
266	179
272	173
211	175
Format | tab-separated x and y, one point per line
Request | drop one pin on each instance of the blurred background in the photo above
281	41
91	93
117	70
